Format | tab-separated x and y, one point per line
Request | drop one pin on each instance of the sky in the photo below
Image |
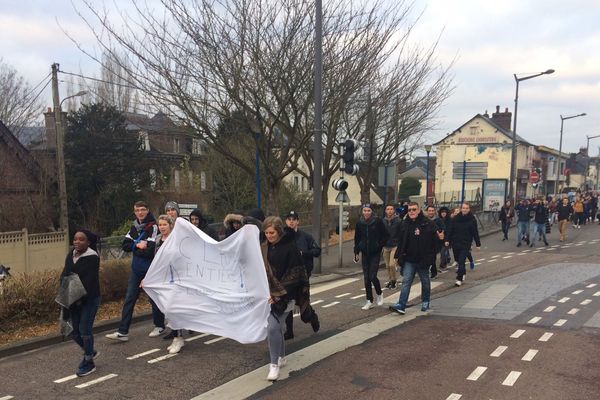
487	41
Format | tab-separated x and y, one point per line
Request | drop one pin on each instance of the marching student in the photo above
393	225
506	216
463	231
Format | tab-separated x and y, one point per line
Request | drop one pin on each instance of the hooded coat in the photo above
463	231
370	236
203	224
141	230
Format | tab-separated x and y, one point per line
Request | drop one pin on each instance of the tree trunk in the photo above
272	200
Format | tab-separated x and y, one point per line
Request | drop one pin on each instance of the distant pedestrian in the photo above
416	254
463	231
523	210
506	215
84	262
564	211
440	227
198	220
540	221
444	214
370	236
393	225
578	212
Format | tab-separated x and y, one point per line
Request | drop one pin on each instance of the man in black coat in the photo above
461	234
416	254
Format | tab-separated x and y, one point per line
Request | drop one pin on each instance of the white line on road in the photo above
161	358
534	320
11	397
549	308
586	302
493	259
596	294
577	291
332	285
555	246
101	379
511	378
480	260
454	396
579	244
564	299
342	295
550	248
498	352
518	333
197	337
215	340
537	251
560	322
65	379
510	253
521	254
507	257
141	355
526	251
477	372
545	337
317	302
357	297
331	304
529	355
496	256
591	285
573	311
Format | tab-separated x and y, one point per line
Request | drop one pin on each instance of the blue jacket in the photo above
141	230
522	211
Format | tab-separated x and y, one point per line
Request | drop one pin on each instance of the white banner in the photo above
213	287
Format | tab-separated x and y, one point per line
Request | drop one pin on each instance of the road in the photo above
526	325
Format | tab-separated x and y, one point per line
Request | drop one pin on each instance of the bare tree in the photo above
20	106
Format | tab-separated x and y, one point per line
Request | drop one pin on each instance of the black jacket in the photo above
308	248
203	224
506	214
370	236
393	229
418	242
463	230
523	211
564	212
541	214
88	269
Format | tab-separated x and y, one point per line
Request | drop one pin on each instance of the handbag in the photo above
71	290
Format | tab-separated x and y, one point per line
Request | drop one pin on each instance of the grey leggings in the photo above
275	329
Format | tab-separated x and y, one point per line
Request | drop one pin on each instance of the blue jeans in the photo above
83	317
523	227
540	229
133	292
410	269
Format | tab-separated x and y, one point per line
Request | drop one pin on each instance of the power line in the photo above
35	98
99	80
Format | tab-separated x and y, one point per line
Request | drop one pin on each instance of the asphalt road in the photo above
373	354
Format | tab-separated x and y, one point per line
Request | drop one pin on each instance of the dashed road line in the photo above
331	304
550	248
555	246
101	379
136	356
586	302
498	352
511	379
545	337
316	302
510	253
65	379
526	251
517	334
537	251
476	374
529	355
342	295
564	299
454	396
596	294
328	286
521	254
496	256
534	320
507	257
480	260
573	311
357	297
577	291
492	260
215	340
11	397
161	358
549	308
197	337
560	322
591	285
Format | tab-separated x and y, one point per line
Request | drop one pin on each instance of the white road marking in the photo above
215	340
498	352
563	247
534	320
537	251
526	251
11	397
510	253
331	285
454	396
415	291
65	379
295	315
476	374
511	378
342	295
507	257
518	333
564	299
579	244
197	337
577	291
549	308
591	285
139	355
317	302
357	297
161	358
550	248
496	256
480	260
492	260
545	337
586	302
529	355
573	311
596	294
560	322
555	246
331	304
101	379
521	254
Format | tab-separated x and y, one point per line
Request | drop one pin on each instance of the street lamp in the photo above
562	121
514	138
428	150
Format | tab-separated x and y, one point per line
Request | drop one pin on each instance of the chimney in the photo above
503	119
50	129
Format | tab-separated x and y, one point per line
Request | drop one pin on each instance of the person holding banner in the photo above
288	286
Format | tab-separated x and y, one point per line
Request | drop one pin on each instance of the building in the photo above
418	170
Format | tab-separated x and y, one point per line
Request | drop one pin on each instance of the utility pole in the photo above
318	130
60	156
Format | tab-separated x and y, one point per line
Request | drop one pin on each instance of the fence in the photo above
23	252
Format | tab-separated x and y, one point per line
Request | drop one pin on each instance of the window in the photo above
152	178
176	179
303	188
202	180
473	130
198	147
144	141
176	145
474	171
190	178
297	182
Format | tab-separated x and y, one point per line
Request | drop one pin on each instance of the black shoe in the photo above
316	325
288	335
85	368
531	245
545	243
518	244
388	285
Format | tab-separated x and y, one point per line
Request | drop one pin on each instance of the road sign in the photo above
534	177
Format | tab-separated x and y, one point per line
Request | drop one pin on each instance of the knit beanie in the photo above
171	205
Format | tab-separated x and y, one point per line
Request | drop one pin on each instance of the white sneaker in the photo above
380	299
273	372
117	336
368	305
176	346
457	283
156	332
281	361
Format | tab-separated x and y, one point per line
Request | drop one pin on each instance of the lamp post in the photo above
587	150
513	155
428	150
562	122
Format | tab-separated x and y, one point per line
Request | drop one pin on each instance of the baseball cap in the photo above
293	215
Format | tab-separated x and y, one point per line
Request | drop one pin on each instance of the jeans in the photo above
563	227
275	340
523	227
370	266
133	292
540	229
460	256
505	228
83	317
410	269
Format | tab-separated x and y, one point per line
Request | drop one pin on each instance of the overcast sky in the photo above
489	41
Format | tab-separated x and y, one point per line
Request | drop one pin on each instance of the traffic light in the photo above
340	184
350	147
